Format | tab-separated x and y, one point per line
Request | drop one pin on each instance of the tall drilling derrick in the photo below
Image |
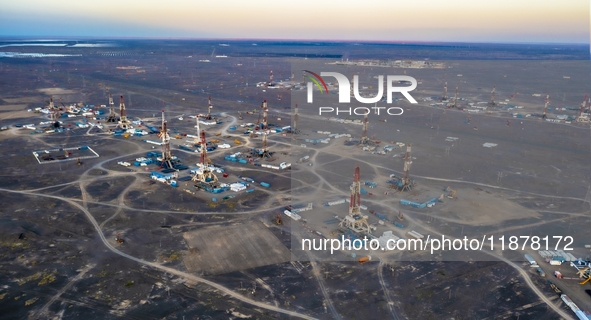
582	117
455	104
204	175
296	116
124	123
54	113
165	137
444	97
257	125
546	107
407	182
265	112
355	220
492	102
364	138
271	83
197	139
112	115
209	106
264	152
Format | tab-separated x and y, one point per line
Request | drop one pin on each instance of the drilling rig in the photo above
296	117
204	175
209	106
364	138
546	107
492	102
444	96
407	182
54	113
404	183
271	83
124	123
582	117
112	115
165	137
355	220
264	151
455	103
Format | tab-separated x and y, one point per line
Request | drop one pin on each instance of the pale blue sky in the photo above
381	20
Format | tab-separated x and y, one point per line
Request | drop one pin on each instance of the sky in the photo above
514	21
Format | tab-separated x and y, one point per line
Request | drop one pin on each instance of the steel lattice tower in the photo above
54	113
165	137
354	220
265	149
209	106
407	182
492	102
544	116
123	121
296	116
112	115
364	137
204	174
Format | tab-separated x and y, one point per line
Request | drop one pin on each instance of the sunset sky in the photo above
368	20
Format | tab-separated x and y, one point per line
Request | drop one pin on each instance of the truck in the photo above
364	259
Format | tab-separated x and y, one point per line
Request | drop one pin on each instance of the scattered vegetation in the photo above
30	301
46	277
175	256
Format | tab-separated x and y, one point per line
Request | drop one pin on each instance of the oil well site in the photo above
180	180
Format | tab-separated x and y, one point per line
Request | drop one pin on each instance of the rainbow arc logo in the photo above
317	79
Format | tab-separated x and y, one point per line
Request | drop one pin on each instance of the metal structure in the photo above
54	112
265	113
296	117
165	137
546	107
364	138
264	152
407	183
455	105
355	220
444	97
271	79
112	115
124	123
582	117
239	115
209	106
492	102
197	140
204	175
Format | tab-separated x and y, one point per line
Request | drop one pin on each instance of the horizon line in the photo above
70	38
